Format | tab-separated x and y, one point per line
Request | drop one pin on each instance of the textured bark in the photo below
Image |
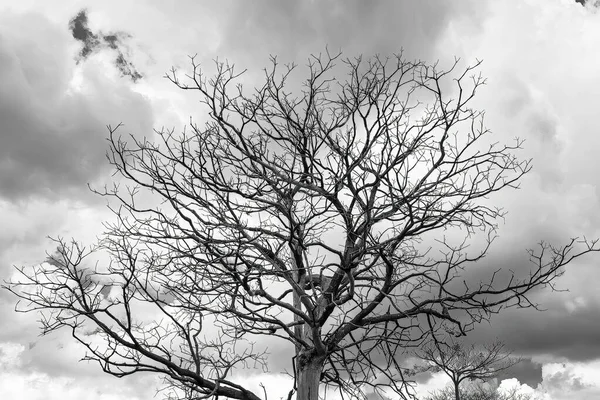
308	379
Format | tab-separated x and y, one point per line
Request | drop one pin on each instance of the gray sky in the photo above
62	83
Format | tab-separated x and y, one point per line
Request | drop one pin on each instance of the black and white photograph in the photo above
299	200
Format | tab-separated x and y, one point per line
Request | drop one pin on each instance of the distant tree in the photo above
479	392
467	363
303	215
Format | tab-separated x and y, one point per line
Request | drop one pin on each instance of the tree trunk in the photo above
456	391
308	378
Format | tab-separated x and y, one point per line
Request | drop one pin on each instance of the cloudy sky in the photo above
68	70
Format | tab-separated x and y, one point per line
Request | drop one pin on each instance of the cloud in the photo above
562	378
81	32
54	113
17	382
513	386
24	241
588	3
293	30
561	382
527	371
543	88
568	328
95	42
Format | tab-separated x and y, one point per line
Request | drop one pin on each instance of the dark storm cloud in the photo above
52	132
81	32
569	327
569	335
559	333
92	43
548	104
594	3
526	371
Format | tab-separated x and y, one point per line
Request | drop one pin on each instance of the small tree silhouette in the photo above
470	363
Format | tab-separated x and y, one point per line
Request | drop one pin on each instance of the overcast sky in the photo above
68	71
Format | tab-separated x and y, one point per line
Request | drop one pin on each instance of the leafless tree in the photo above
479	392
305	214
467	363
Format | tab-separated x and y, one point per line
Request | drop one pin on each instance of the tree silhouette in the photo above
304	214
467	363
479	392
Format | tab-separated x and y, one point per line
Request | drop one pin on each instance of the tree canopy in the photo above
303	213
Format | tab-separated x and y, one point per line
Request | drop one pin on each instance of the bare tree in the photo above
479	392
304	216
470	363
